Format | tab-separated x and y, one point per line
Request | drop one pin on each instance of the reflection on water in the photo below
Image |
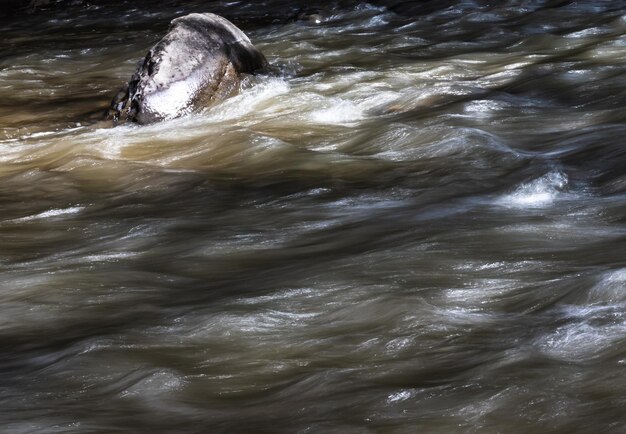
416	225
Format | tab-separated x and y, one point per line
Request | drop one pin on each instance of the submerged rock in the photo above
197	63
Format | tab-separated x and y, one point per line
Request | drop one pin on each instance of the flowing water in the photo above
417	224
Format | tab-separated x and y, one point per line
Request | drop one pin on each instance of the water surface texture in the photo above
417	224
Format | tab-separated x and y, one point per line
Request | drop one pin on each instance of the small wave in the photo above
610	288
250	100
156	385
55	212
594	333
539	193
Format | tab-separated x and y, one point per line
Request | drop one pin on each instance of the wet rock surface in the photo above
199	62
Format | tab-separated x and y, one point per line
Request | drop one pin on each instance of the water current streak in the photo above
417	224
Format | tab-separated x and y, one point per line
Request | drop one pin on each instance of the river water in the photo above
417	224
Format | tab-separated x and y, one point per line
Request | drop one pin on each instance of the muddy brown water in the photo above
417	225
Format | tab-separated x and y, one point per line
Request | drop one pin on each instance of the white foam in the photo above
538	193
338	112
400	396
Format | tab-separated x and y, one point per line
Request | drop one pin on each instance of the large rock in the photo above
197	63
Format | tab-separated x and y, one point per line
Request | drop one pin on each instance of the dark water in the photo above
418	225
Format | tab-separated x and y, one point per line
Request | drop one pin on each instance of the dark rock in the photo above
197	63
